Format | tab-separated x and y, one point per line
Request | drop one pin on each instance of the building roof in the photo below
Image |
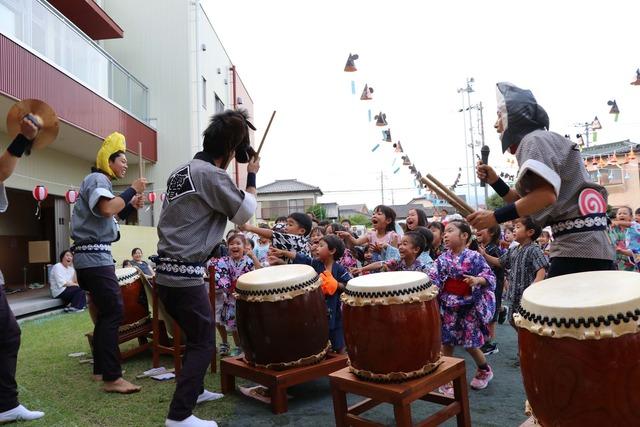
357	208
289	186
619	147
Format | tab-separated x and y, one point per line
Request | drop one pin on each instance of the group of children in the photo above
470	269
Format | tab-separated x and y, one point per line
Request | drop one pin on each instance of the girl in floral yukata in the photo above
467	300
240	260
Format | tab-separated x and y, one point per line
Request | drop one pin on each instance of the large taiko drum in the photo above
281	317
392	326
579	346
135	306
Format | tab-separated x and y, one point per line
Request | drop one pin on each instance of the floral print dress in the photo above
465	319
227	272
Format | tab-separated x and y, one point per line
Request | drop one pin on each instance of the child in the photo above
416	218
437	248
382	235
227	270
525	262
334	278
347	260
261	248
632	239
544	241
618	235
411	246
428	239
489	240
295	236
467	300
508	242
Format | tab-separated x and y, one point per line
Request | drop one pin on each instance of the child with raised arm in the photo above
382	235
411	246
334	278
294	238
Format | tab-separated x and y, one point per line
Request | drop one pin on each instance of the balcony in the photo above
37	26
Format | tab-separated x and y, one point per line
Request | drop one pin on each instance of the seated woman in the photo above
64	284
137	261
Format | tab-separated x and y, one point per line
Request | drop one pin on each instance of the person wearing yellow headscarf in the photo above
93	229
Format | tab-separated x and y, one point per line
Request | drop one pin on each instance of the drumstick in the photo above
450	193
265	133
445	196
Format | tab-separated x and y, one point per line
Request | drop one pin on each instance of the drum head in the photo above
276	277
586	305
395	287
126	275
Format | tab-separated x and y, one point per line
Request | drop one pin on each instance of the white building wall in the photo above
158	46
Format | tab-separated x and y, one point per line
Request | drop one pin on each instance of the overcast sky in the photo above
573	55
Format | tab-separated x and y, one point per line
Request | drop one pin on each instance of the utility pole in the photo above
381	188
469	89
481	127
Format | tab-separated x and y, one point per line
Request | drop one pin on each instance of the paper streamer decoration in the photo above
397	170
386	135
398	147
353	87
370	116
614	109
595	124
366	93
350	66
637	81
381	119
375	148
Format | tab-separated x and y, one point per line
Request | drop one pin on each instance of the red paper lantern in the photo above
40	192
151	196
163	196
71	196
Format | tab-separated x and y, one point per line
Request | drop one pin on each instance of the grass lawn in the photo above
50	381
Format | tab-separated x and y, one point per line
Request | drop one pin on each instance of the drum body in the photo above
392	326
281	316
579	343
133	300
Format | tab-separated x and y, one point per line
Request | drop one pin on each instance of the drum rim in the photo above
537	313
424	292
276	291
125	277
280	283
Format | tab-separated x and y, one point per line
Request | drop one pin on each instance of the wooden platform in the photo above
276	381
401	395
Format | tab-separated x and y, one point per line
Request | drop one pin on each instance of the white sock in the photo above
207	396
20	413
191	421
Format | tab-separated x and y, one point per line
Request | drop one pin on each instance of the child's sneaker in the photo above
489	348
236	352
223	350
482	378
446	390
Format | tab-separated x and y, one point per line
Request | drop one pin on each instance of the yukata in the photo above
522	263
227	272
435	252
400	265
261	252
632	239
347	260
334	305
291	242
618	237
494	250
466	311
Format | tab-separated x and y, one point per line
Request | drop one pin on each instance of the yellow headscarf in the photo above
111	144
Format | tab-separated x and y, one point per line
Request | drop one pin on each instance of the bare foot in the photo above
121	386
96	377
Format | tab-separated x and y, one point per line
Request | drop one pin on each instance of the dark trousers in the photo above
74	295
560	266
102	284
9	345
191	309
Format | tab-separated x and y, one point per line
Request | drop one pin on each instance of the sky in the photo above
573	55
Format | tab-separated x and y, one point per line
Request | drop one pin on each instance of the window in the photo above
218	103
274	208
609	175
204	93
296	205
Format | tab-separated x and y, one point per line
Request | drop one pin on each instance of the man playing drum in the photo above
93	229
553	187
200	198
10	408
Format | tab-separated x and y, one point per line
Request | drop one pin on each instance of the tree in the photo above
494	202
319	211
360	219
